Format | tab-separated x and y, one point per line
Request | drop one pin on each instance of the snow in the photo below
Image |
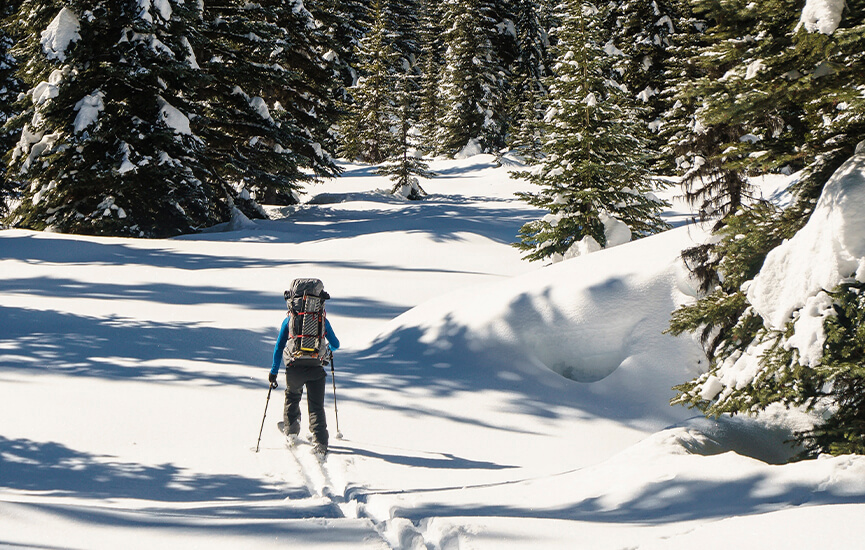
173	118
824	253
88	109
485	402
822	16
61	32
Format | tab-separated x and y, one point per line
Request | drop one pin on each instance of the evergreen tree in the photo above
529	70
642	35
431	62
474	76
268	102
405	164
793	90
594	175
367	134
343	23
105	144
10	87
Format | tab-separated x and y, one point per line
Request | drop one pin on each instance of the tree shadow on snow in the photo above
118	348
443	218
674	500
55	469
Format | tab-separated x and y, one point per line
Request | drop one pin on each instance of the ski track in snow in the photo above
326	479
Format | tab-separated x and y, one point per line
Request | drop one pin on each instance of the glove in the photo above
272	379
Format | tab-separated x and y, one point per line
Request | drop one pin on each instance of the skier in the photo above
299	373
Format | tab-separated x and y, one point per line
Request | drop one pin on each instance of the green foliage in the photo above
367	134
474	77
130	170
268	101
10	87
842	376
404	164
594	168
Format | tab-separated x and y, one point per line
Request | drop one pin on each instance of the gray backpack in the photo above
305	301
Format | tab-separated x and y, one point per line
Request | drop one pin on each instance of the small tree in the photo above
594	175
405	164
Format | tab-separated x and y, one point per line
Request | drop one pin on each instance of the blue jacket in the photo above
282	340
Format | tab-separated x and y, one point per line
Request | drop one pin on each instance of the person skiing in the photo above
303	371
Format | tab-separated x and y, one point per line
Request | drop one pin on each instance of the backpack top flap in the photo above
300	287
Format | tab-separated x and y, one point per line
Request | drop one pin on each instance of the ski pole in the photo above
269	389
335	409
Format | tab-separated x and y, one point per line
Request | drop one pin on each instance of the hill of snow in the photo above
485	402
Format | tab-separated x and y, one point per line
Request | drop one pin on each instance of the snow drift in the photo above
597	320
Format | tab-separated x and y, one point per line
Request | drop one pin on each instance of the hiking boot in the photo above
293	428
320	450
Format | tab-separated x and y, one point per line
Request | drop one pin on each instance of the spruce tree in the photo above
430	64
343	23
367	134
106	145
530	69
268	101
474	77
405	164
793	91
10	87
594	174
641	40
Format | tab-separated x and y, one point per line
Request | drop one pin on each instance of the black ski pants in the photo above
314	378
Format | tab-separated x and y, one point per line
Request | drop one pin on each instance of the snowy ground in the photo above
133	382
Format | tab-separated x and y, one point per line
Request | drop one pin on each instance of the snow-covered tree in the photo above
404	164
367	133
594	175
343	23
641	40
474	75
803	72
10	87
268	104
105	144
430	64
530	69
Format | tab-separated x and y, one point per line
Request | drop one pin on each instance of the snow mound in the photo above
828	250
597	320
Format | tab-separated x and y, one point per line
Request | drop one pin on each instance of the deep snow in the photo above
485	402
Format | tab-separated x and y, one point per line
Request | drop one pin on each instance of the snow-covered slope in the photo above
133	383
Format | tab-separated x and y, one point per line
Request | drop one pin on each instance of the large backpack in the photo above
305	301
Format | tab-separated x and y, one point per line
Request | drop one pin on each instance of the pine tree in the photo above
474	77
594	175
367	134
430	64
343	23
10	87
106	145
268	102
528	72
788	86
405	164
641	41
